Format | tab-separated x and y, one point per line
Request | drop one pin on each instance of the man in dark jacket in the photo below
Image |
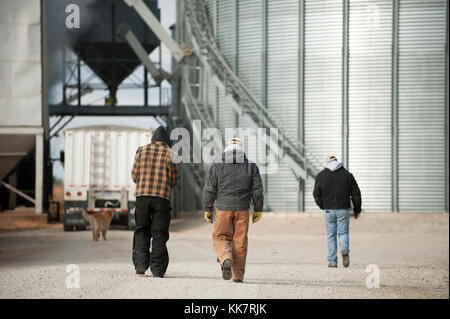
155	176
233	184
335	187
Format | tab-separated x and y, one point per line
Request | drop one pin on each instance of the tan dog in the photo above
99	222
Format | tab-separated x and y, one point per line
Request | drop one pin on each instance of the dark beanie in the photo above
161	134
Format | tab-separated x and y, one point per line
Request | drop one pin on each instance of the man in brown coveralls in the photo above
233	184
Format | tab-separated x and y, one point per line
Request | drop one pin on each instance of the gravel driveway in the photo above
286	259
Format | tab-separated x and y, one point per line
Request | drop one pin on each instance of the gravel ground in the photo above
286	259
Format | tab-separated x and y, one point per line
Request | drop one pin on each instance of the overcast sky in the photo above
124	97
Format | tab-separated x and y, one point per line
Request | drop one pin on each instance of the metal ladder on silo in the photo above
196	172
304	164
193	107
301	161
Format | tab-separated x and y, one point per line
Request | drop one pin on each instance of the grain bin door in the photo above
369	96
421	108
322	82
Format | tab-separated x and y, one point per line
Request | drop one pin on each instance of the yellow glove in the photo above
256	216
209	217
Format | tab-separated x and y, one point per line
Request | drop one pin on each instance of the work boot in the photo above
345	257
332	266
140	272
226	269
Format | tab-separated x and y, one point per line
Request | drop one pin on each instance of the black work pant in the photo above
152	221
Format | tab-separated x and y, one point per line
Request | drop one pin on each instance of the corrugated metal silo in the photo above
363	80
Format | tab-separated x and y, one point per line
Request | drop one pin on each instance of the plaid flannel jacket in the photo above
153	171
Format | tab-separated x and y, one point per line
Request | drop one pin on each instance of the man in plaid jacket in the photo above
155	175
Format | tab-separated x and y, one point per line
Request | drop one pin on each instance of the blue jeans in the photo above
337	221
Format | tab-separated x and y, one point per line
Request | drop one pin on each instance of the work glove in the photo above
256	216
208	216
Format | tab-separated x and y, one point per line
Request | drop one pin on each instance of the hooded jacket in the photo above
335	187
154	172
162	135
233	183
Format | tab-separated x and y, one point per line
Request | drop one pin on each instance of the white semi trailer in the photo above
97	172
